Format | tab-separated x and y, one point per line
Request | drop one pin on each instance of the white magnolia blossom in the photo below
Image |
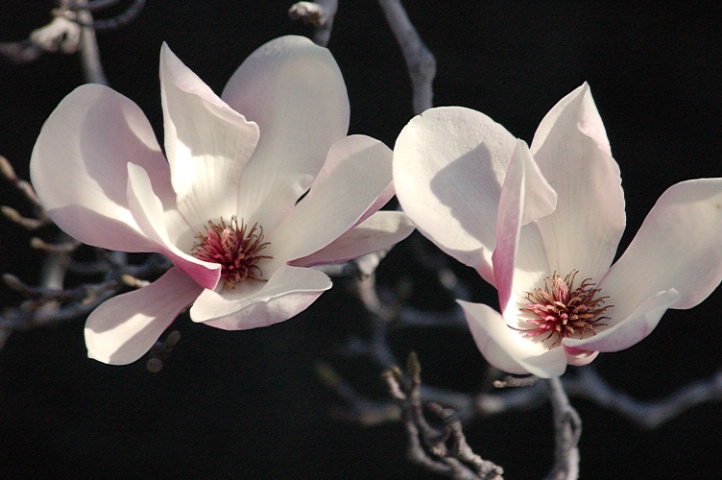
259	185
542	225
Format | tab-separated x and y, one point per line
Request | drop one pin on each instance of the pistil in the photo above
561	310
236	248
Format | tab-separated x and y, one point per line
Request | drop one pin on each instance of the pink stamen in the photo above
236	249
563	311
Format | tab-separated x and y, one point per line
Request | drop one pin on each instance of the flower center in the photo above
237	249
560	310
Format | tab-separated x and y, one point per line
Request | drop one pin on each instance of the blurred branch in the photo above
50	304
419	60
24	187
71	30
567	431
89	52
589	385
320	14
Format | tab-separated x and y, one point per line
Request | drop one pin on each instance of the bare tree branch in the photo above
419	60
589	385
428	446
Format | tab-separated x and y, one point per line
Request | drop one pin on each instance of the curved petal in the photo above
78	167
124	328
519	260
378	232
508	349
289	291
148	212
678	246
578	357
449	165
206	141
295	92
358	171
630	330
572	151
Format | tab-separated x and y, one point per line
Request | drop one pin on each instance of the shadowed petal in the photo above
78	167
508	349
207	143
679	246
357	173
630	330
519	260
289	291
294	91
572	151
124	328
148	212
449	165
378	232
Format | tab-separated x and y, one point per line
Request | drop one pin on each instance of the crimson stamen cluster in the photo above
236	249
564	311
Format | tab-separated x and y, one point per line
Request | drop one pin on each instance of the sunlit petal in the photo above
207	143
78	167
449	165
124	328
294	91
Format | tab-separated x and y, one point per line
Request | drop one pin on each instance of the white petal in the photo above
358	172
295	92
631	329
678	246
378	232
206	141
449	165
124	328
148	212
289	291
508	349
519	258
572	151
78	167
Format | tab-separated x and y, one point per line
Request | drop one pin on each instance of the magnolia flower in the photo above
260	184
542	225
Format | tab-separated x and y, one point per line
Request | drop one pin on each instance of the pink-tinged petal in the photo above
294	91
359	172
207	143
508	349
124	328
578	357
78	167
147	210
449	165
351	146
631	329
525	197
573	154
289	291
678	246
378	232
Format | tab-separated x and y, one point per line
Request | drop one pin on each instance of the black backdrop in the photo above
247	404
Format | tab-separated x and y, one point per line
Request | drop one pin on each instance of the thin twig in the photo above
419	60
89	52
123	18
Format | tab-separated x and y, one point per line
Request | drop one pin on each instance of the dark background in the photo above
248	404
